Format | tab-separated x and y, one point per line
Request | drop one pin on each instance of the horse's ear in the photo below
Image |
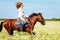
34	13
40	13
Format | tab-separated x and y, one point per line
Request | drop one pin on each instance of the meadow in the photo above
50	31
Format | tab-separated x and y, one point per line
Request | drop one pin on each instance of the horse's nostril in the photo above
43	23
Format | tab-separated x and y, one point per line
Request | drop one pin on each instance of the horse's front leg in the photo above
29	30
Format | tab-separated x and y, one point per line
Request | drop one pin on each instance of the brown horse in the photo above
10	25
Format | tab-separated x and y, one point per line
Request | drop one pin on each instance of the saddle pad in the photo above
19	24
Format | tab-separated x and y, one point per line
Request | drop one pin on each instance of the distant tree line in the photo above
52	19
2	18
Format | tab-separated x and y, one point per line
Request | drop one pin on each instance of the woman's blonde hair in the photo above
18	5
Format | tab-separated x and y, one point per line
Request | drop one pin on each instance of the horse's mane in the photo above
33	14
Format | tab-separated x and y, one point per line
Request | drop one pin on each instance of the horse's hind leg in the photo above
10	31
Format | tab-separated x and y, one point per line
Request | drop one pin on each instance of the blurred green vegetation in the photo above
52	19
2	19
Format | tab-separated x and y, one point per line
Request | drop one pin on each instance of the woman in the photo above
22	18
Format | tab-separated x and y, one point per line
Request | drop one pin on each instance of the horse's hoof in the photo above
33	33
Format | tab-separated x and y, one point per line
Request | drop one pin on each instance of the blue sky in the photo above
48	8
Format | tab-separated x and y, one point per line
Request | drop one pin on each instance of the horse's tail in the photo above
1	26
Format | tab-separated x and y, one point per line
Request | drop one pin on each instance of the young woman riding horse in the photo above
10	25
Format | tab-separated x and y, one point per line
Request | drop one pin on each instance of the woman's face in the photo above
22	6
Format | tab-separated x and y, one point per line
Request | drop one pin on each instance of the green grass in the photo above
50	31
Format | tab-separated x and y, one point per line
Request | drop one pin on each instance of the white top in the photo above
21	15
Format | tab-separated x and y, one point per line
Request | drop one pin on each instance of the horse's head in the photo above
41	19
37	17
